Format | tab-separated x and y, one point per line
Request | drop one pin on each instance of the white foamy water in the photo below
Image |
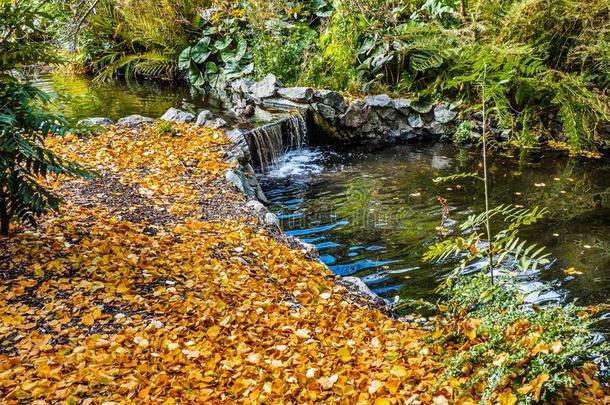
297	163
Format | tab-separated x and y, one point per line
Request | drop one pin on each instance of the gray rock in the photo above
330	98
216	123
310	249
271	220
262	115
95	121
357	114
266	88
357	286
443	114
327	112
298	94
176	115
438	128
236	178
135	121
421	107
246	182
257	207
416	121
388	114
401	124
203	117
402	105
283	104
242	86
379	101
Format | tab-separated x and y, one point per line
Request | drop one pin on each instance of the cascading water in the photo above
270	142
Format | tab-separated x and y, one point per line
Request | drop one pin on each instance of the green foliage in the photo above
141	38
24	121
221	54
511	344
282	51
165	128
548	61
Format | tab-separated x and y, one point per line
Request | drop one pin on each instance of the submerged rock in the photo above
443	114
298	94
203	117
176	115
266	88
135	121
95	121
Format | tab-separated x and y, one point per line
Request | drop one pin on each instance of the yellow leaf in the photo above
213	331
88	320
507	398
344	354
382	401
398	371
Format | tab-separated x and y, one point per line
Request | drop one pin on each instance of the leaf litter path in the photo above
154	284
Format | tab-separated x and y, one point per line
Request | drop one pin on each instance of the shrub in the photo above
24	121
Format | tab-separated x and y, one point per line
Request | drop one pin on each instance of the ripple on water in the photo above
374	214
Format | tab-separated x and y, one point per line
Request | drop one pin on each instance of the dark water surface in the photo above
372	214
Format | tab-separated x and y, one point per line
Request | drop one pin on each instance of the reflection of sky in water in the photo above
373	215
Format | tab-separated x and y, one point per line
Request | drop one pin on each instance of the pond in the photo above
372	214
80	97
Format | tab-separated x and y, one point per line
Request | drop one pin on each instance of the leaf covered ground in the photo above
154	284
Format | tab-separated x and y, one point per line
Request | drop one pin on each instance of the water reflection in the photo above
374	213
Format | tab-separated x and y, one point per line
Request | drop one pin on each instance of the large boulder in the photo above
203	117
298	94
357	114
443	114
135	121
95	122
330	98
266	88
176	115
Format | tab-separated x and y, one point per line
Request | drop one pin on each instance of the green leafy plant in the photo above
511	349
24	121
221	54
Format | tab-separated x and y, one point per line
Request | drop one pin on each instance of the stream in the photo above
373	213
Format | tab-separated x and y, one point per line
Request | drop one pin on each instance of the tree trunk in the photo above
4	217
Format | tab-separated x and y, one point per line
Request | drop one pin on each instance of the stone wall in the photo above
335	120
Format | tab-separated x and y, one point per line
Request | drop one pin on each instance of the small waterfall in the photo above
270	142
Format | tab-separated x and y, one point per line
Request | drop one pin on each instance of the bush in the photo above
24	120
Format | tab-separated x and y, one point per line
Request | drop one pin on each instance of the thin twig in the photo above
83	18
487	224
